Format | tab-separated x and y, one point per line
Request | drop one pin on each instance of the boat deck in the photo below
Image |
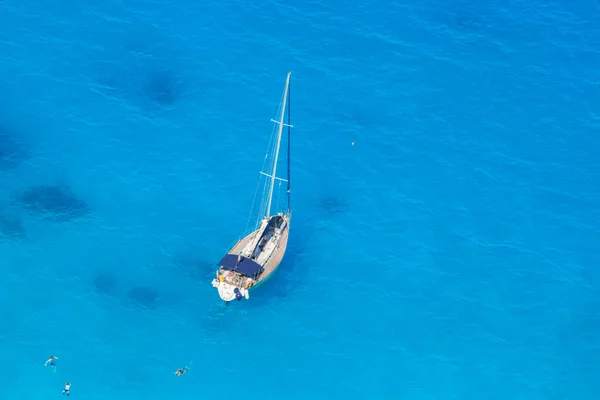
236	279
270	260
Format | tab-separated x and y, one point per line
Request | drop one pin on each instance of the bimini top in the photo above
245	266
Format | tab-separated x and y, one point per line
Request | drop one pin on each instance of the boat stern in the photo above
229	292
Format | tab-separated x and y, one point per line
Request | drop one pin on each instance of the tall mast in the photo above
281	124
289	145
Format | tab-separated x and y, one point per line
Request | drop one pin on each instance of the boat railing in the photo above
243	235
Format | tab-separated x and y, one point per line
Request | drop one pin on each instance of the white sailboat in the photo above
257	255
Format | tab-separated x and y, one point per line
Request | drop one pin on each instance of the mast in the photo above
279	132
289	122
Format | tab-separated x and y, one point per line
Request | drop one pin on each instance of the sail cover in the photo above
245	267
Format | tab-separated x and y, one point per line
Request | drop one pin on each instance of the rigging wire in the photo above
262	208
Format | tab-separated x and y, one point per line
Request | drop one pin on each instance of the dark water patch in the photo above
152	89
11	228
161	88
145	297
356	119
12	151
56	203
465	21
333	205
105	283
140	70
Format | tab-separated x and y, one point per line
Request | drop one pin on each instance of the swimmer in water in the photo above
51	362
67	389
181	371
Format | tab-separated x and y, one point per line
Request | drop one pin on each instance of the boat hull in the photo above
269	267
275	260
228	293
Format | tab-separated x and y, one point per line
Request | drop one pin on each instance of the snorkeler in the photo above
51	362
67	389
181	371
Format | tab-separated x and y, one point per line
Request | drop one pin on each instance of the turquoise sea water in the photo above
451	253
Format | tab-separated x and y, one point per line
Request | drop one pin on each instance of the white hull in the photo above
227	291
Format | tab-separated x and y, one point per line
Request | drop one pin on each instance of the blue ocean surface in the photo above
451	252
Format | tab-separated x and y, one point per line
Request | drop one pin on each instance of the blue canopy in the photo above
245	266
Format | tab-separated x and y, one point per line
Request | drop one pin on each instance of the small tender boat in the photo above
258	254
